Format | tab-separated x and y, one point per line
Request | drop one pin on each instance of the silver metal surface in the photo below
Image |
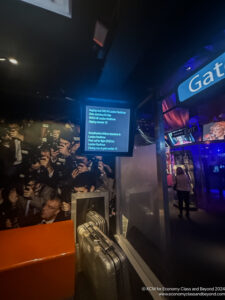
77	196
98	220
104	263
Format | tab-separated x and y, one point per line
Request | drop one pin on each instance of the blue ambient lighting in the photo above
206	77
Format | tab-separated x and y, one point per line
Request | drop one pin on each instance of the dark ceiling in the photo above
176	31
57	57
54	52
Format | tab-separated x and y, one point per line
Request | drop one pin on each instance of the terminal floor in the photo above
84	290
197	257
198	249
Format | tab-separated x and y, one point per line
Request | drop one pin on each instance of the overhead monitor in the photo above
107	127
180	137
214	131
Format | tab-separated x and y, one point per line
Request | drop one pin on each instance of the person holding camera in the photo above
44	168
65	159
35	194
18	137
103	174
81	167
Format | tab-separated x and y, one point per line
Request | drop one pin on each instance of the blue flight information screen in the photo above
107	129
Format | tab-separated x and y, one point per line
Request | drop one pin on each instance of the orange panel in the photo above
38	262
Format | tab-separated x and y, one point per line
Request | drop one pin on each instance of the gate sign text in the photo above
203	79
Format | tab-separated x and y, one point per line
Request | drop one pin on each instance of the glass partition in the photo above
141	216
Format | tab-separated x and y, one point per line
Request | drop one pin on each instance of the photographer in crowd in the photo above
35	195
45	162
52	211
103	174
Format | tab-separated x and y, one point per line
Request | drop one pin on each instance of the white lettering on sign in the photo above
209	78
196	82
217	68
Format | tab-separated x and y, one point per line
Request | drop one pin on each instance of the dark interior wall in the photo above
40	107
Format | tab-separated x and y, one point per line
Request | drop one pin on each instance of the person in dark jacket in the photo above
35	195
7	155
12	209
50	213
183	188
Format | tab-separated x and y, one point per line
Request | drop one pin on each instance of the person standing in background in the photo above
183	188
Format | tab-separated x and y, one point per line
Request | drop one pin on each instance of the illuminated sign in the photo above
62	7
107	129
203	79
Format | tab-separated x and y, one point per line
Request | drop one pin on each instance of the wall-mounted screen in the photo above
214	131
107	129
180	137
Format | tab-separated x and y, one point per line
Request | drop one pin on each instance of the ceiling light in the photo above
2	59
13	61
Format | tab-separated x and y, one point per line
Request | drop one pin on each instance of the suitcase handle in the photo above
98	238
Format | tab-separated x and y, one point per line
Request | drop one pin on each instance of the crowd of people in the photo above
40	167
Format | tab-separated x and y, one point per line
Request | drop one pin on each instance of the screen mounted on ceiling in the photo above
62	7
107	129
180	137
214	131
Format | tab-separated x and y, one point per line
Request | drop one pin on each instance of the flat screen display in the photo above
214	131
106	130
182	139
